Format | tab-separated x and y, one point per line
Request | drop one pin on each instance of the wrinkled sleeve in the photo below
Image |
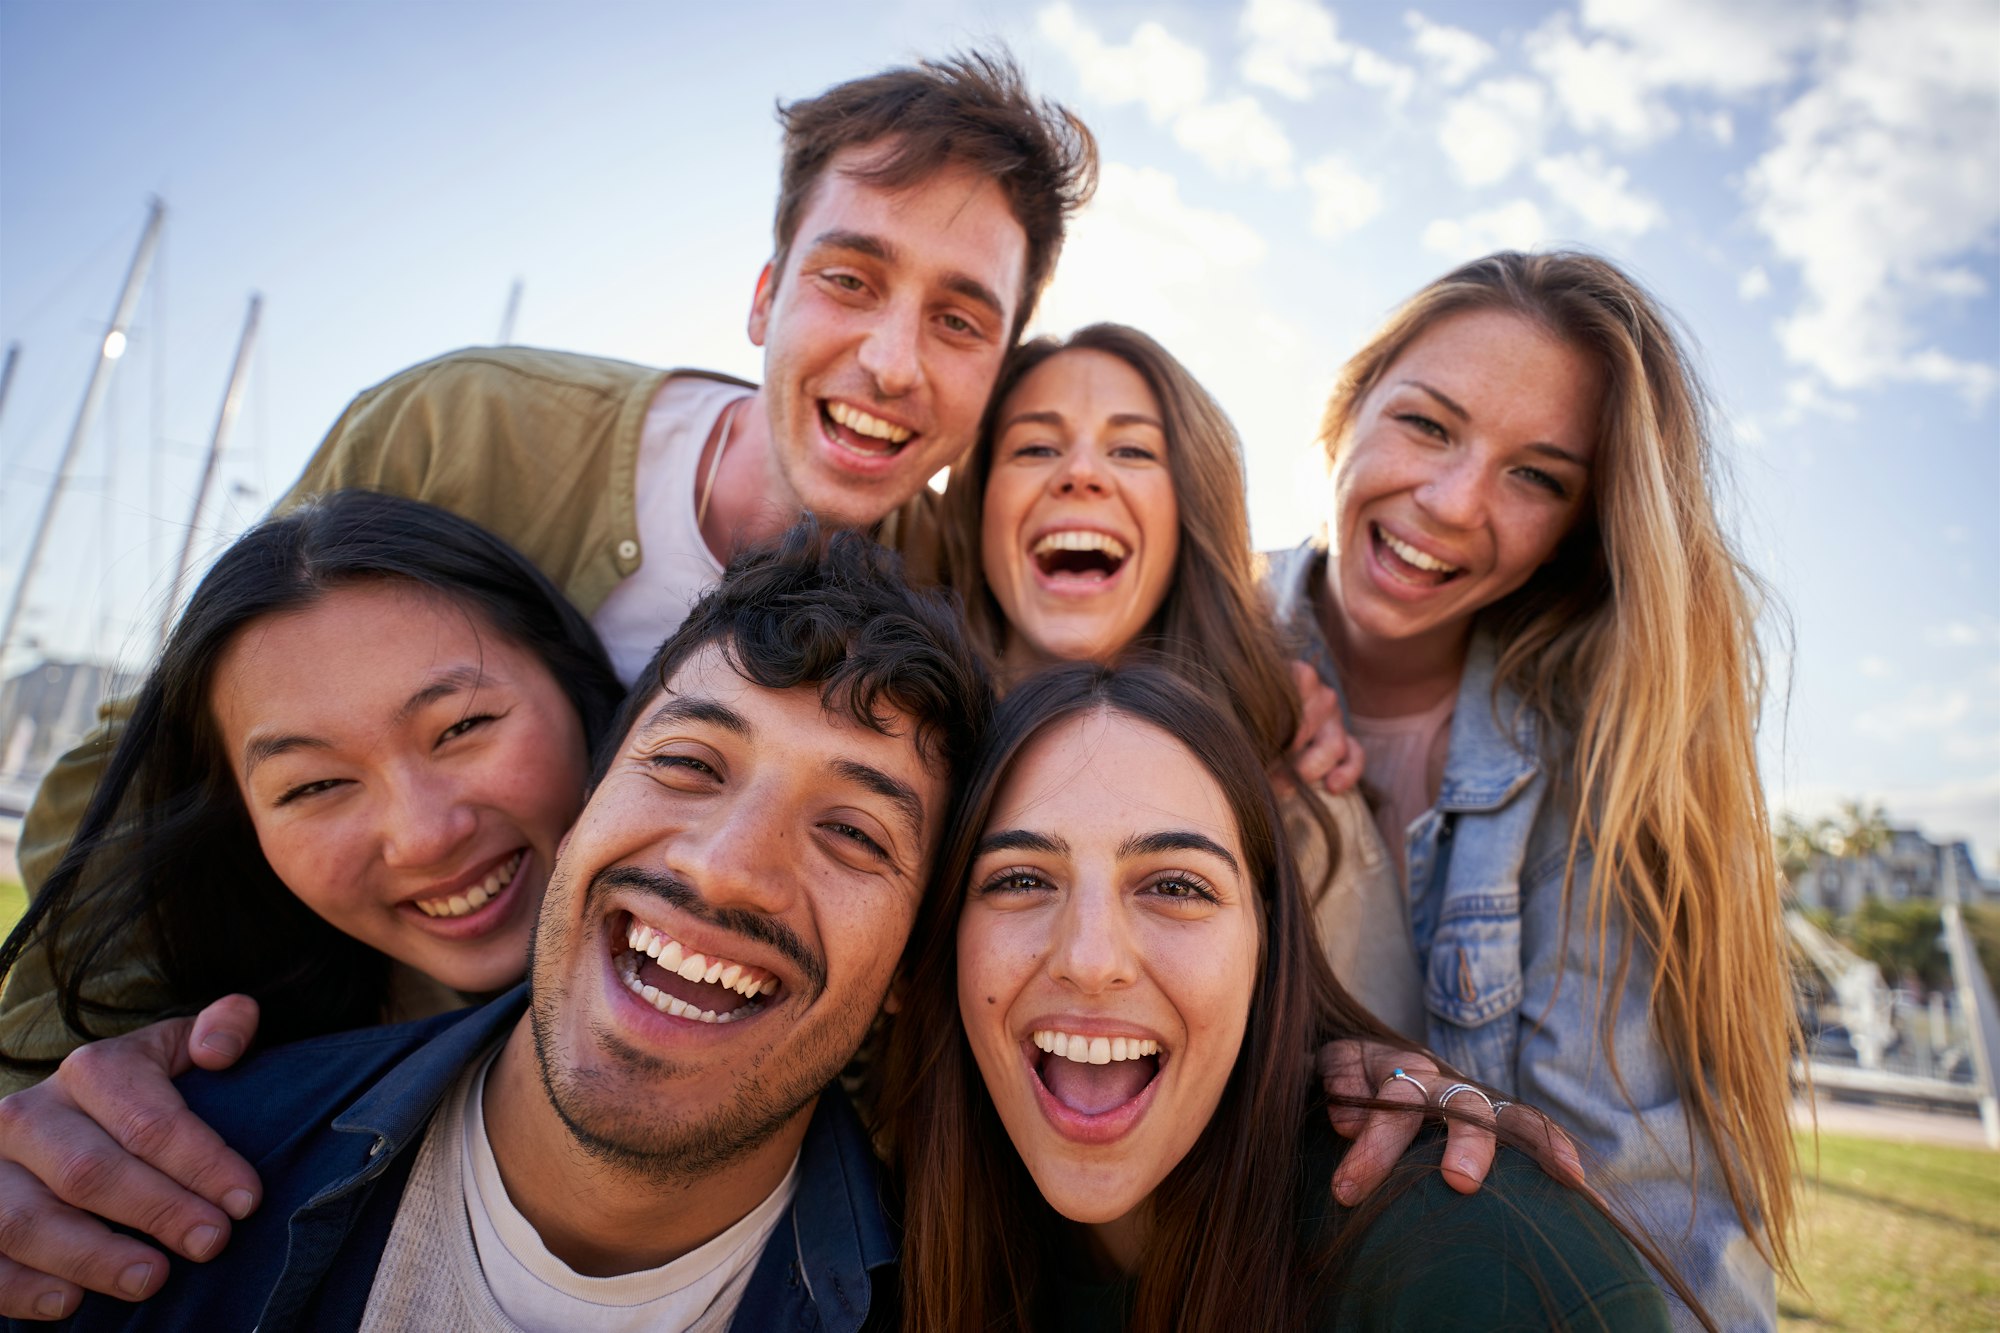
1638	1150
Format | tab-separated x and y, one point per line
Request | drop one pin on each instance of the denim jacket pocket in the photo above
1474	972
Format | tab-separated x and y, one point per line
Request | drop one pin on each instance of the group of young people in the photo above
1014	952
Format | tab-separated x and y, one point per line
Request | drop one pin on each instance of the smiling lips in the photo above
678	981
471	900
1078	555
1094	1076
862	432
1407	563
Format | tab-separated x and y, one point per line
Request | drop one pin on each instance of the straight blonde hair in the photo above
1639	641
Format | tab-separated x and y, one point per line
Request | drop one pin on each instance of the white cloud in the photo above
1236	138
1452	54
1599	192
1964	633
1730	47
1925	708
1754	285
1287	41
1876	668
1879	184
1944	811
1517	225
1493	128
1602	85
1805	397
1343	200
1721	127
1155	68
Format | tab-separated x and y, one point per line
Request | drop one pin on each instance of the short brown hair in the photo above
972	109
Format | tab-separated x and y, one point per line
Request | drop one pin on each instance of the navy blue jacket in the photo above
332	1124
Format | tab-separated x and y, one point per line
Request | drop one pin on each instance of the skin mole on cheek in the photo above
989	999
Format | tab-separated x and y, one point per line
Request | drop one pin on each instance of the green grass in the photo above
1897	1236
13	901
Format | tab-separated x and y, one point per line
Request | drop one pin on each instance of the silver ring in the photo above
1444	1099
1422	1091
1500	1106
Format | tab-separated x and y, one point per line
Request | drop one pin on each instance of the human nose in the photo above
429	819
739	853
889	352
1094	950
1081	473
1455	495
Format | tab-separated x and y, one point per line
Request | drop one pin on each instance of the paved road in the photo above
1951	1129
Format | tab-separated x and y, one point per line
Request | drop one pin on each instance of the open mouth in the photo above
701	988
1095	1076
1079	556
861	432
1408	564
470	900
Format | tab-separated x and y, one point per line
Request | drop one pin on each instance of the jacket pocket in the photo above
1474	972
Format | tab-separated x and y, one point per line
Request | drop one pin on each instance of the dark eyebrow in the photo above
1050	417
861	243
694	708
1176	840
259	748
1540	446
899	793
1021	840
441	686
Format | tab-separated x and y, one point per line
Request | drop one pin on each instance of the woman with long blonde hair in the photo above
1546	645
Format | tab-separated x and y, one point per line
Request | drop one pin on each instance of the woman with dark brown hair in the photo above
1100	1097
1102	515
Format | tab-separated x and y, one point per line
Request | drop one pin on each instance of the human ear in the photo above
760	303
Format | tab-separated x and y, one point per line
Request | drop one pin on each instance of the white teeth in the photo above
476	897
1093	1050
863	424
1080	539
646	942
1409	554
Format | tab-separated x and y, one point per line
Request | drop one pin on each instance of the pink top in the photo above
1405	767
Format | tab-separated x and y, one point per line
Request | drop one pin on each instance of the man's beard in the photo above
622	1115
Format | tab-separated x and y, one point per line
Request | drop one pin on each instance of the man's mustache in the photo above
753	926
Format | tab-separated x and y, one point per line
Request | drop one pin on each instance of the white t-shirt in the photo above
1405	768
676	565
460	1254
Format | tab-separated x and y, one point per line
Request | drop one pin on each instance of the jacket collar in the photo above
398	1109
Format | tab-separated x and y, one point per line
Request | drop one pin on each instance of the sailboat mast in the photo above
108	353
225	420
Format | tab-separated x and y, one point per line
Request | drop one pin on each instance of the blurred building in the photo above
43	711
1909	868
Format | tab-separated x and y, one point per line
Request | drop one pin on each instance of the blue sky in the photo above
1813	188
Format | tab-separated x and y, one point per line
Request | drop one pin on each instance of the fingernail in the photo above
223	1043
51	1304
238	1203
1343	1190
1462	1165
134	1279
201	1240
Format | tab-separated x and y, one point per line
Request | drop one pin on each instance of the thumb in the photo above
219	1034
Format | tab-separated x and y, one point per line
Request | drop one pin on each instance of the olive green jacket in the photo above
539	447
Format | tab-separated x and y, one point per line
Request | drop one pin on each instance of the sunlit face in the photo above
726	916
1080	528
1467	465
884	333
1107	952
409	771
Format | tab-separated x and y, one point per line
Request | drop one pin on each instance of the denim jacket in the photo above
331	1125
1513	1002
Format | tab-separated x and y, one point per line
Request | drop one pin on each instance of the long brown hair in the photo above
1215	625
977	1233
1639	641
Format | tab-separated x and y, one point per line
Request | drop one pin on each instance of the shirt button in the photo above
628	549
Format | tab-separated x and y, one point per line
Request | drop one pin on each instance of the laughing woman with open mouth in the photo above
1100	1098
